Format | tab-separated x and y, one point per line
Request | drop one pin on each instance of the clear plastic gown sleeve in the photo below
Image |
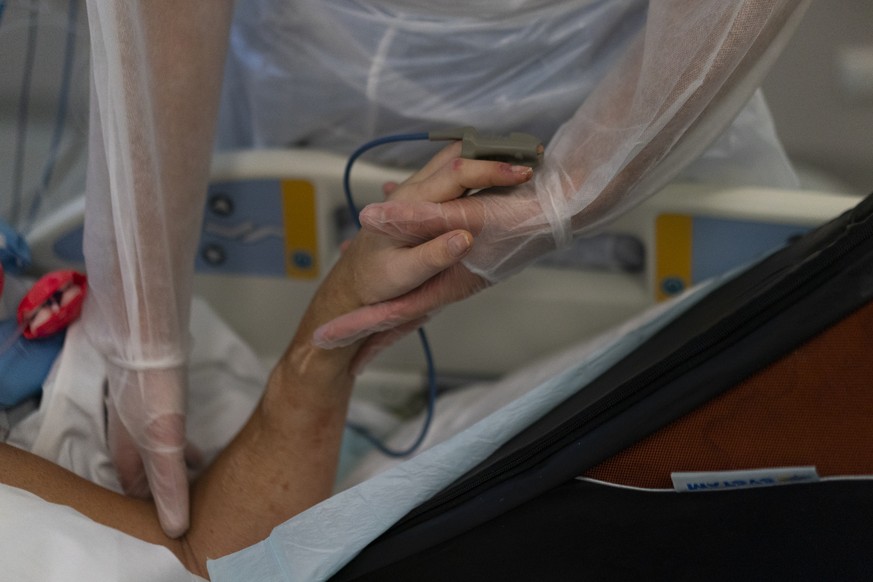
156	73
681	82
626	94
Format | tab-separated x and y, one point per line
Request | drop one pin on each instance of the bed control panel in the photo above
263	227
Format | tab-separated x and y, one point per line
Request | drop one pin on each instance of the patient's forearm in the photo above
282	462
53	483
284	459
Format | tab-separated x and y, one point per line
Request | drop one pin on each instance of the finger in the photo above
458	175
388	188
415	265
408	266
442	157
413	223
356	325
125	455
164	462
447	287
168	480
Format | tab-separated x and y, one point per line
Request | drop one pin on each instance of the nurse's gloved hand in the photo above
386	317
146	434
390	320
510	226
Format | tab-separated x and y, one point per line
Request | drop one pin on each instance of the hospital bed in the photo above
274	221
272	227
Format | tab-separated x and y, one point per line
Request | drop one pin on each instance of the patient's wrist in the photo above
304	367
308	390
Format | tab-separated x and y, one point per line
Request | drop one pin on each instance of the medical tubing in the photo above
425	345
23	113
347	175
61	115
429	410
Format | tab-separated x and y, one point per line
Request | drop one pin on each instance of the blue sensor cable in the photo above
431	370
347	175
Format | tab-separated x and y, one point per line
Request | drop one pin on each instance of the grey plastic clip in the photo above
516	148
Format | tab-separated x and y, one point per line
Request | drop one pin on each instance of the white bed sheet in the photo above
44	542
226	380
47	542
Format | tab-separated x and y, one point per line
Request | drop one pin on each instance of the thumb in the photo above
451	285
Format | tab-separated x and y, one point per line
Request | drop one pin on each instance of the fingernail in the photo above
459	244
526	171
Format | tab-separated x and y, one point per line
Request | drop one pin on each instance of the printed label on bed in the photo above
725	480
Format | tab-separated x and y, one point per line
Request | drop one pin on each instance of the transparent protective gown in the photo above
626	94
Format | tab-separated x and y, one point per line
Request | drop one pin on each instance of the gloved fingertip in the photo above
322	338
319	339
174	523
173	511
372	216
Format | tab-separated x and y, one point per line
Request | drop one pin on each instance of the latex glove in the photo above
683	80
146	434
444	178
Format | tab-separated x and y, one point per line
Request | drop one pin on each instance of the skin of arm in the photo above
284	459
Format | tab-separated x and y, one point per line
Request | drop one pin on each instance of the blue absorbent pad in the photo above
24	364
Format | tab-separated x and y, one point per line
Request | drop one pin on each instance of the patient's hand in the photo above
400	280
